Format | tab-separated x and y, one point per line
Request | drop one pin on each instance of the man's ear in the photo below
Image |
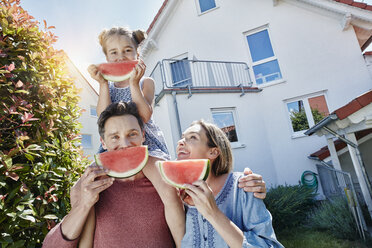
213	153
102	142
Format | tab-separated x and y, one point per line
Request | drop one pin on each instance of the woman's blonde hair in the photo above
217	138
137	36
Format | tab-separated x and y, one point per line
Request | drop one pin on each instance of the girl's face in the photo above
120	48
193	145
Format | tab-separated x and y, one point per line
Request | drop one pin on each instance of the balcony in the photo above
200	76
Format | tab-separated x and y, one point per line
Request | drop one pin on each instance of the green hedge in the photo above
39	159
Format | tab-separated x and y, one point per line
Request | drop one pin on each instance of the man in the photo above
128	212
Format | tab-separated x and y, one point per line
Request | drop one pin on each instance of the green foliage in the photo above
336	217
317	115
310	238
289	205
299	121
39	160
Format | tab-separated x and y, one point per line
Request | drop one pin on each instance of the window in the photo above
93	111
86	141
264	63
206	5
305	112
224	119
181	73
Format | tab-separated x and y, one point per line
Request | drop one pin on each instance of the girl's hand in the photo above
203	198
96	74
252	182
137	73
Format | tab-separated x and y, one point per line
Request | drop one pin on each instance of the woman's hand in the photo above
96	74
203	198
137	73
252	182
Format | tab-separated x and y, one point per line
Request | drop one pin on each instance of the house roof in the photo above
364	36
68	60
353	106
157	16
355	4
342	113
324	153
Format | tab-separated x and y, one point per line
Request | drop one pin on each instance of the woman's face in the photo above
193	144
120	48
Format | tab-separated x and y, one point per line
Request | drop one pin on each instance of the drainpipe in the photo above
174	94
367	195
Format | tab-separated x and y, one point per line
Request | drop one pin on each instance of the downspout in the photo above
174	94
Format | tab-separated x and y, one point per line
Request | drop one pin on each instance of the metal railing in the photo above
172	73
336	183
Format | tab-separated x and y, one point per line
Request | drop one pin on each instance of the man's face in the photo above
122	131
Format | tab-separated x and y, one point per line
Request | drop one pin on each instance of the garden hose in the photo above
309	180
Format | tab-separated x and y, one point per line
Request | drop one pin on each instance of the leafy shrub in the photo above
336	217
289	205
39	160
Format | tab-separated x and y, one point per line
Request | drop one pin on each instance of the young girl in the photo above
121	44
223	215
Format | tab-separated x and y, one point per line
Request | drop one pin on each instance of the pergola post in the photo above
358	170
332	150
336	162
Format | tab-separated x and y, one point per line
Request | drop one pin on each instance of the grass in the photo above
309	238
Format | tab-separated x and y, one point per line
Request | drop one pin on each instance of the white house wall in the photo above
314	54
253	150
88	97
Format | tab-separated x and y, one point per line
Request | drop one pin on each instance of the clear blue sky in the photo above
78	23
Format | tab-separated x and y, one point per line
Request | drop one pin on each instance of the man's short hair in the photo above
118	109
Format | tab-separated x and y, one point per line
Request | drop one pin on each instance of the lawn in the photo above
308	238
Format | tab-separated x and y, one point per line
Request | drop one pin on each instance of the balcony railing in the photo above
172	73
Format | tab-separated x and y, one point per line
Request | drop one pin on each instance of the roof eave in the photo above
326	121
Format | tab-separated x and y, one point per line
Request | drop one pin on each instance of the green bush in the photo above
336	217
289	205
39	160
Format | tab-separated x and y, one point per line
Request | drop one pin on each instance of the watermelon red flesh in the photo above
124	162
178	173
117	71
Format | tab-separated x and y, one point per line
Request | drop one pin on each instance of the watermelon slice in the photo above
124	162
177	173
118	71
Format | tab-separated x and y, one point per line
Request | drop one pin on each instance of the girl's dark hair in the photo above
118	109
137	36
217	138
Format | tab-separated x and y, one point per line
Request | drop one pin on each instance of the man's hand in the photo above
252	182
86	190
84	195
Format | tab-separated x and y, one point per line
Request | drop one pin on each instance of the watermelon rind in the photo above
126	174
117	78
203	175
